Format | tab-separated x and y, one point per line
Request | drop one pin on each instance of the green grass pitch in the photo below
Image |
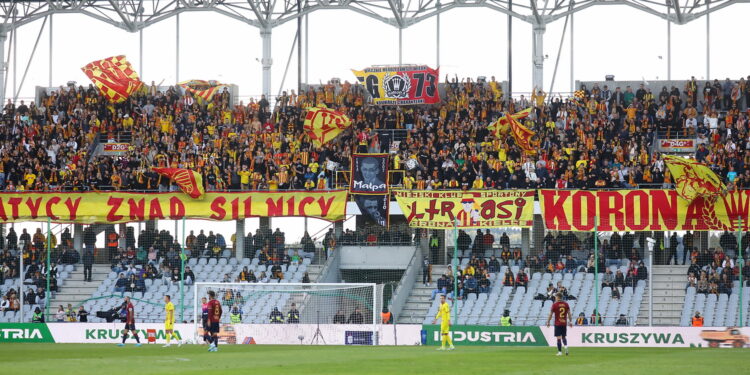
267	359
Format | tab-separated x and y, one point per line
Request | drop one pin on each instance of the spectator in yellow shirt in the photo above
309	185
478	183
244	177
314	166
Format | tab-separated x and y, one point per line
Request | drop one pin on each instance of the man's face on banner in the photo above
371	206
370	169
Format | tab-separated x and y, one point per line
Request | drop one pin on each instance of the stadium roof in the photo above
134	15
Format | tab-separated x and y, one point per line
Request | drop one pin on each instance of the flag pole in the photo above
740	264
455	271
596	271
48	296
182	274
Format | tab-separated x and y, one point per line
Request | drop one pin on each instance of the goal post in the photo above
292	313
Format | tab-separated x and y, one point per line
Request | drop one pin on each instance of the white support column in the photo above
537	57
266	61
572	57
51	33
239	239
140	50
400	45
437	37
122	230
3	39
15	65
525	241
708	40
307	55
177	49
78	237
669	45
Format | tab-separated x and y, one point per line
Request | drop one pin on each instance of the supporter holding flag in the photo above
190	182
114	77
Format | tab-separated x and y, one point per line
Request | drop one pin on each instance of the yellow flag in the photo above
501	126
693	179
114	77
323	124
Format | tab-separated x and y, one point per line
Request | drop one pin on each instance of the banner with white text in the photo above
641	210
400	85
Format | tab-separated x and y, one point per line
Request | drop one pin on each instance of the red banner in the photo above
401	85
677	143
115	147
641	210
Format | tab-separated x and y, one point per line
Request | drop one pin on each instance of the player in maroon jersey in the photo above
561	312
129	323
214	318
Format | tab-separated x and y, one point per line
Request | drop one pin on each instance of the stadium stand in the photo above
600	138
529	304
596	139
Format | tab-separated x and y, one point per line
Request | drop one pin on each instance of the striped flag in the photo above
501	126
203	89
323	124
114	77
190	182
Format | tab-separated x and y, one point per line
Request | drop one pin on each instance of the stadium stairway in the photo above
75	290
669	296
419	301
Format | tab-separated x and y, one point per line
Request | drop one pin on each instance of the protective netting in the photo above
264	304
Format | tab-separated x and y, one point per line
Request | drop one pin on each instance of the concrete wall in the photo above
376	257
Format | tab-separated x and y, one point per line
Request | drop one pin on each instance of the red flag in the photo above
114	77
190	182
501	126
323	124
521	134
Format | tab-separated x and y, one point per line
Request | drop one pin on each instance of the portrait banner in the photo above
400	85
121	207
441	209
374	208
642	210
369	174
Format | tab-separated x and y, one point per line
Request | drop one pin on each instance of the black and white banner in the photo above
369	174
374	208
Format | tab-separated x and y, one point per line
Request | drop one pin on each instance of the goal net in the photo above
291	313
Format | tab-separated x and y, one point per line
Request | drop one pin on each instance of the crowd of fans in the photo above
599	138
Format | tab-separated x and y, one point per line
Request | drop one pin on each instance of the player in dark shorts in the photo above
561	311
214	318
129	323
204	319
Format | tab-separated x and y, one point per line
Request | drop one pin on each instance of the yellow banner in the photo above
467	209
119	207
641	210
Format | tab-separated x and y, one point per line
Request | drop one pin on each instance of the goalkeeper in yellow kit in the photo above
444	314
169	321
